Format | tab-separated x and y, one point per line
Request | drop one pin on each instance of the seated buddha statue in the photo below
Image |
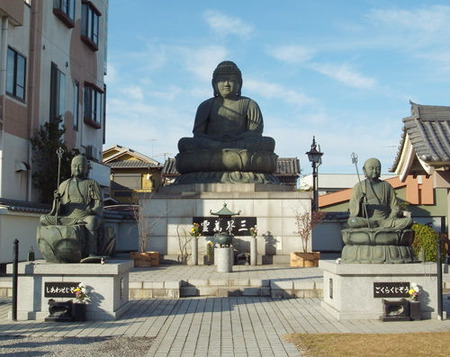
227	143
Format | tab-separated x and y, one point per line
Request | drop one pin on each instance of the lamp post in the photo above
315	157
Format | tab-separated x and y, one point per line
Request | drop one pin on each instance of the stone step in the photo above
279	289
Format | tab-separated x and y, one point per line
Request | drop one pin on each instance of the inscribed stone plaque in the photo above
60	289
390	289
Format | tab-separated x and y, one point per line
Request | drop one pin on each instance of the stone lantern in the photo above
224	253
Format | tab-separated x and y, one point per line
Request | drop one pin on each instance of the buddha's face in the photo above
227	85
372	169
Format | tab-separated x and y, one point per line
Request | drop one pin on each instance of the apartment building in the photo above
52	65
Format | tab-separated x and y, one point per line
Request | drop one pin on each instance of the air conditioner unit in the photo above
90	152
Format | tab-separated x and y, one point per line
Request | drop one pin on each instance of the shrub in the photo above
425	240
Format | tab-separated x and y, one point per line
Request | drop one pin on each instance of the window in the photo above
65	10
93	105
76	104
15	74
57	93
90	24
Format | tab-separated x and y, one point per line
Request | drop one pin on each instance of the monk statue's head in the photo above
226	68
79	166
372	168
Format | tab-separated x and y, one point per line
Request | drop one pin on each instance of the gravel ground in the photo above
74	346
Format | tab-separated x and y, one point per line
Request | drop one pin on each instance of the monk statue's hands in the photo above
56	195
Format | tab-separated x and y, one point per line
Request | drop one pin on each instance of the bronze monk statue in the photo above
377	233
227	145
71	231
373	202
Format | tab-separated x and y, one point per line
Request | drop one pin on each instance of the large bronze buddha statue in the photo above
228	145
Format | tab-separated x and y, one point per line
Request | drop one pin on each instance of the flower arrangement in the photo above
81	293
414	292
195	230
209	252
254	231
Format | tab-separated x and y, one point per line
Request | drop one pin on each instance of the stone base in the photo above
107	287
171	209
348	289
224	259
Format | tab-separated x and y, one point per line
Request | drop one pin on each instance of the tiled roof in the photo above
24	206
428	129
169	168
288	167
130	164
285	167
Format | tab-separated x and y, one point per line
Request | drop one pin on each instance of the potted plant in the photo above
144	258
305	223
81	300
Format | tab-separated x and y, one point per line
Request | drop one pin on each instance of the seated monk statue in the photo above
373	203
78	201
227	133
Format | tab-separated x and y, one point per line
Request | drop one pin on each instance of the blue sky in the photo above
343	71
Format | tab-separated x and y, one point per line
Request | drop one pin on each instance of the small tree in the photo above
184	242
305	223
47	140
425	241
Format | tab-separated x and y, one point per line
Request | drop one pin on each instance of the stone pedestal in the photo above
171	210
253	250
224	259
107	286
349	289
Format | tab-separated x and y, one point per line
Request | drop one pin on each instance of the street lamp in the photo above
315	157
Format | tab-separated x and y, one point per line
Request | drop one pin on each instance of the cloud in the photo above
272	90
432	23
292	53
133	92
202	60
226	25
344	74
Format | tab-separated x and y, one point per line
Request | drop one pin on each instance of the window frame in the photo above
13	73
65	11
57	94
93	105
76	105
90	24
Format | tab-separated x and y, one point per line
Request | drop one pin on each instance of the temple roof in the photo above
425	144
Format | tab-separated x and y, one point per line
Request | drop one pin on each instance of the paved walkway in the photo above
215	326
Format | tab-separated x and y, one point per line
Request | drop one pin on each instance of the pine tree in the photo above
46	142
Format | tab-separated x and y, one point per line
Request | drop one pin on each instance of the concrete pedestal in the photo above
224	259
107	286
348	289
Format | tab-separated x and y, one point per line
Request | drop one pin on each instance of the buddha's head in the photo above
227	69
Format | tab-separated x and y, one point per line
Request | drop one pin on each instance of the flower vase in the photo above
195	250
414	310
79	312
